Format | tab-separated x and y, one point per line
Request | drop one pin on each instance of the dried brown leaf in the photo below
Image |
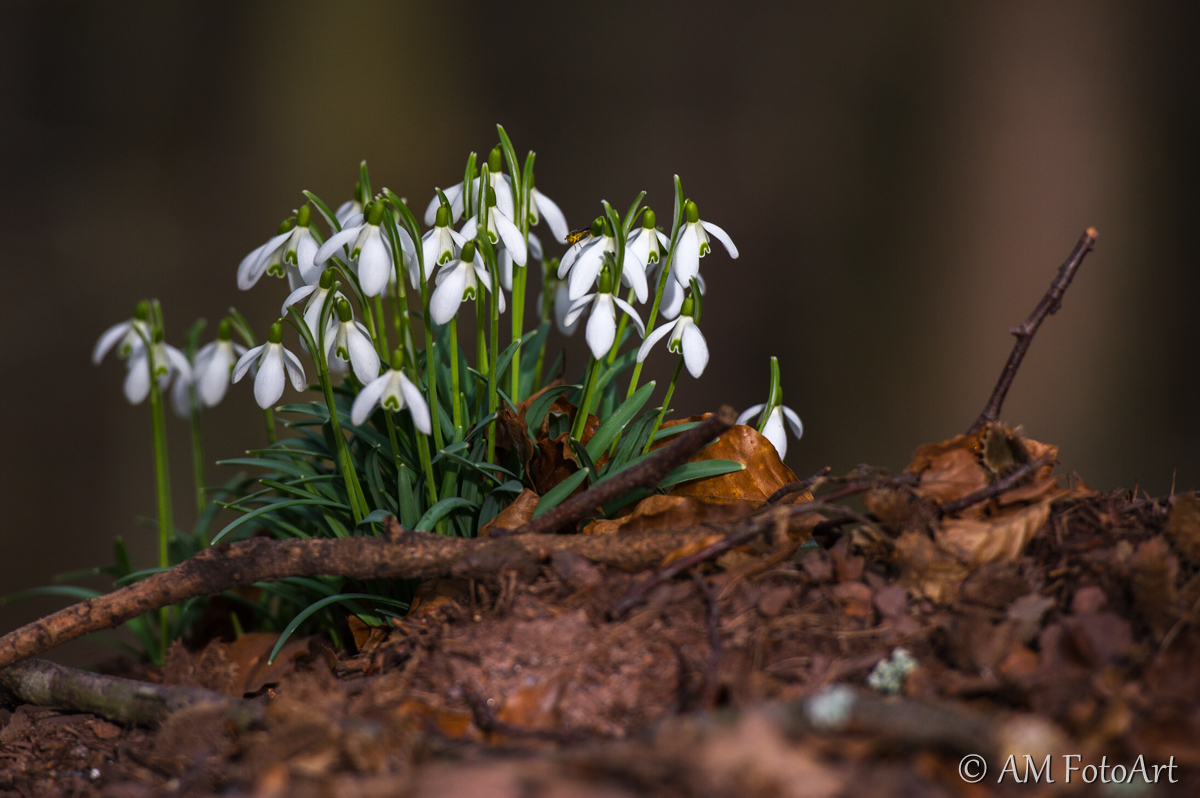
764	474
670	512
515	515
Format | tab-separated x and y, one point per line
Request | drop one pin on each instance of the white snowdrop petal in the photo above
695	350
585	271
553	215
629	311
363	357
295	297
601	328
366	400
247	359
333	245
374	264
469	229
687	257
137	380
181	398
773	431
634	275
108	339
212	377
749	413
295	369
247	275
514	242
656	335
415	401
723	237
793	422
443	305
269	382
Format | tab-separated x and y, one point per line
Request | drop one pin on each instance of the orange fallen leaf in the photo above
660	512
764	474
514	515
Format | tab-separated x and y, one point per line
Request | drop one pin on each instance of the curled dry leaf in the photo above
236	668
514	515
764	474
548	459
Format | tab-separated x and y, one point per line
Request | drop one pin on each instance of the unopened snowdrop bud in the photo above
349	342
694	244
275	366
393	391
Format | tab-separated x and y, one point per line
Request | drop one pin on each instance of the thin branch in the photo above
46	684
1050	303
647	473
999	486
799	486
399	554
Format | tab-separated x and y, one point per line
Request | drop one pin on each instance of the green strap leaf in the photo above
538	409
250	516
330	217
613	425
560	492
317	606
700	469
442	509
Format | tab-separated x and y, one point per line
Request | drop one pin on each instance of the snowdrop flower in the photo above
438	245
368	245
273	362
602	323
694	244
497	181
132	335
316	300
290	251
686	339
459	282
541	205
504	257
349	342
587	262
562	309
210	374
772	414
643	248
674	293
499	224
167	362
351	207
392	391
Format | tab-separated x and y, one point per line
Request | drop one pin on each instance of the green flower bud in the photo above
468	251
275	335
495	160
397	359
607	227
443	216
158	335
142	311
225	330
345	313
606	281
693	213
327	278
648	219
286	225
597	226
375	213
304	216
689	306
491	196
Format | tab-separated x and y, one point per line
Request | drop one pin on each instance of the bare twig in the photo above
799	486
398	554
645	474
46	684
712	672
1050	303
744	532
996	488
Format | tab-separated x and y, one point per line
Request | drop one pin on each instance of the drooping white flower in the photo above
212	368
601	329
367	244
132	335
686	339
348	341
694	244
584	265
644	247
392	391
505	261
458	282
275	366
316	300
290	251
499	182
168	362
562	308
500	228
439	245
773	429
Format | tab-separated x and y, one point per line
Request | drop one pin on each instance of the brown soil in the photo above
1084	644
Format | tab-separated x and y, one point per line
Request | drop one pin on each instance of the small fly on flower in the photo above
575	236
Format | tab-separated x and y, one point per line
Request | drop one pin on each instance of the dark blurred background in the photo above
902	179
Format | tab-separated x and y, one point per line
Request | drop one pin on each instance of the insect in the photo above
575	236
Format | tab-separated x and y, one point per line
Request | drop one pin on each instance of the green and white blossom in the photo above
543	206
316	300
500	228
348	341
685	338
168	362
290	251
439	245
129	337
458	282
773	429
212	368
584	264
363	239
644	247
601	329
694	244
275	366
393	391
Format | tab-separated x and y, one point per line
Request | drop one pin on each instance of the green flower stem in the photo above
621	325
427	467
520	274
431	359
354	489
493	357
589	387
455	389
269	416
381	336
166	524
197	453
663	276
662	411
403	472
481	350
